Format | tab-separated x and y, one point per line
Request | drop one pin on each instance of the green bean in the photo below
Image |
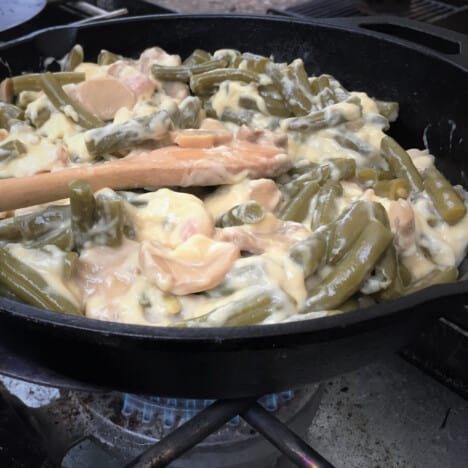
248	102
196	57
114	137
315	121
354	144
72	59
346	229
11	150
249	212
232	56
325	204
189	116
288	82
204	83
60	237
298	207
62	102
7	91
30	286
309	253
368	174
388	109
10	115
440	275
446	200
109	226
384	275
107	58
392	189
250	310
400	163
274	101
40	117
253	62
342	168
83	209
32	82
184	73
349	274
244	117
50	226
318	174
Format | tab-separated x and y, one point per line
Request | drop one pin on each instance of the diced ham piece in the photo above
196	265
155	55
402	223
139	83
271	233
104	96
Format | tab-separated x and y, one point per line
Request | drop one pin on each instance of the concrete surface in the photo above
391	415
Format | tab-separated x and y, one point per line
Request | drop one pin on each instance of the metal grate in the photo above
429	11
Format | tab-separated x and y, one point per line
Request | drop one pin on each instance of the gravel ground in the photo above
223	6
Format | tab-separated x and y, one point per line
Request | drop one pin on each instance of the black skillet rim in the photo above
359	317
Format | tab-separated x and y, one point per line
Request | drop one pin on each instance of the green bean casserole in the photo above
348	219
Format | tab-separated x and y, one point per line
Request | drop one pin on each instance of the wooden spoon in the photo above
168	166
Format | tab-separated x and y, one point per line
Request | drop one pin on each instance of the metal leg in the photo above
191	433
291	445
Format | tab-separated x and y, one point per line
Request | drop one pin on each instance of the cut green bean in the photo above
250	310
342	168
72	59
347	277
62	102
204	83
108	58
368	174
437	276
30	286
196	57
50	226
189	115
83	209
354	144
347	228
243	117
315	121
109	226
249	212
32	82
11	150
388	109
392	189
114	137
10	115
326	204
400	163
297	97
253	62
309	253
297	209
274	101
184	73
446	200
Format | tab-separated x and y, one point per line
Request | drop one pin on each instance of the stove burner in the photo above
175	411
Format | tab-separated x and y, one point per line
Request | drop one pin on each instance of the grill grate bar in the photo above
421	10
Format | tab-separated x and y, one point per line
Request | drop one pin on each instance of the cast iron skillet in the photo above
233	362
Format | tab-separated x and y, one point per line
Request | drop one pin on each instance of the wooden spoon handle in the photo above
168	166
